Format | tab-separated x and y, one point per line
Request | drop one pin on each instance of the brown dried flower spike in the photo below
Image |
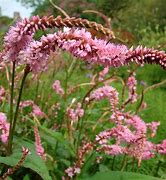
49	22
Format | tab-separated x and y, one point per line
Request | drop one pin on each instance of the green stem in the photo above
12	93
11	101
26	71
113	162
140	103
158	167
72	67
68	126
133	163
36	91
123	92
66	86
80	129
123	164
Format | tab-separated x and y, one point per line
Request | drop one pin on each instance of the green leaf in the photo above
9	178
103	168
33	161
26	177
65	162
117	175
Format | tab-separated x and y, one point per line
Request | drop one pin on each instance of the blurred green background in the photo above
134	22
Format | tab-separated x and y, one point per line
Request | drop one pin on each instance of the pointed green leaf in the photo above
121	176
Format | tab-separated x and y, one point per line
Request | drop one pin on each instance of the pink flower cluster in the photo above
72	171
139	125
2	93
131	83
161	148
103	73
57	88
75	114
35	109
111	149
4	128
130	132
131	138
106	92
14	41
153	127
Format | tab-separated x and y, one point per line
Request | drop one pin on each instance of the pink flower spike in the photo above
161	148
149	151
72	171
103	73
153	127
39	148
131	83
111	149
137	123
123	134
57	88
109	92
4	128
79	43
26	103
37	111
15	42
117	117
75	114
2	94
142	55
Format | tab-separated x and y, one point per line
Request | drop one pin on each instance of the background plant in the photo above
68	119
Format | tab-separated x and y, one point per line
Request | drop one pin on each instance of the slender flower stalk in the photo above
9	148
11	99
12	93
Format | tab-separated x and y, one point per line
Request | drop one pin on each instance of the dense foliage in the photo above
99	118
